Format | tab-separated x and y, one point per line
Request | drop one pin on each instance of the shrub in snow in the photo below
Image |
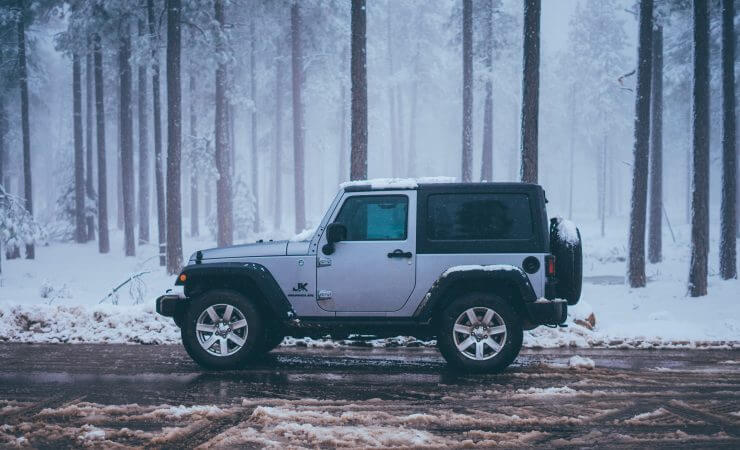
51	292
62	227
17	225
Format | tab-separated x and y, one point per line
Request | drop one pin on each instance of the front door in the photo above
374	269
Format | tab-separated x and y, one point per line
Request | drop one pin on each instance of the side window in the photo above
375	217
479	217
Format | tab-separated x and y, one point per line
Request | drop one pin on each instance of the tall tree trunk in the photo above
298	124
89	150
144	166
638	210
194	215
602	184
79	178
103	239
728	227
486	171
253	112
467	113
688	167
25	126
278	156
655	238
127	140
572	148
700	128
343	127
224	199
174	138
358	158
158	156
393	135
530	91
411	163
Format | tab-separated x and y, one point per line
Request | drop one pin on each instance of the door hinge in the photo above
323	261
324	295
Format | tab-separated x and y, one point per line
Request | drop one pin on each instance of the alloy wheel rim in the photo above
479	333
221	329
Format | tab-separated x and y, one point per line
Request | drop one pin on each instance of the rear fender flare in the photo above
510	282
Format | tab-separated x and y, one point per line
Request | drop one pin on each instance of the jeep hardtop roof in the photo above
440	184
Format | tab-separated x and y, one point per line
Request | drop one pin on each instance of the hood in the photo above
272	248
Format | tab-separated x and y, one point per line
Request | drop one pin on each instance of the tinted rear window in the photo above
479	217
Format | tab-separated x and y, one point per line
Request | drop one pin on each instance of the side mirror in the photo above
335	232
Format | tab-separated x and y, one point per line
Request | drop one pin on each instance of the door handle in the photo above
398	253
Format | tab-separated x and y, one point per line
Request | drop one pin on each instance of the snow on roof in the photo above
397	183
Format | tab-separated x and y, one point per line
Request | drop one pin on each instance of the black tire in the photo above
274	336
254	334
568	263
510	343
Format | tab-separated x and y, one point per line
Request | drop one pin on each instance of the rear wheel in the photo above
479	332
273	338
222	329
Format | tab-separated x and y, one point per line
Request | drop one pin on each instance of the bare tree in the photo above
158	155
467	116
700	136
127	137
224	199
89	150
79	158
358	158
174	137
253	114
530	91
278	155
194	213
25	125
638	211
144	166
298	123
655	238
486	171
103	239
728	227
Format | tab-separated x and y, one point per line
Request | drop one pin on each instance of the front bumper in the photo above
171	304
548	312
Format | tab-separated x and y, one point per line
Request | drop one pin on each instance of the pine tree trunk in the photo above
127	140
655	238
358	158
572	149
411	163
343	135
224	199
158	156
298	124
728	227
636	265
486	171
79	158
25	125
602	185
700	135
174	138
278	156
393	134
467	113
103	239
144	169
530	91
89	144
194	214
253	113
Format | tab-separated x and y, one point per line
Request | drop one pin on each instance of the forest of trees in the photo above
257	77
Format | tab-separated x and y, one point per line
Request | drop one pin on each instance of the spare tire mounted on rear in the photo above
565	245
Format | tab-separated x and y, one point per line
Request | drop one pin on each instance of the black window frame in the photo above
538	243
406	224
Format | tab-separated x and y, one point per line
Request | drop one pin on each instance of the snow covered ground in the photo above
57	298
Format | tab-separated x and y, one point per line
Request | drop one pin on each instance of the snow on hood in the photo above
270	248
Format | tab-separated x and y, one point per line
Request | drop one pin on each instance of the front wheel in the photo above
222	329
479	332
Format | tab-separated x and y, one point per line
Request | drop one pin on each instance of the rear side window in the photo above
375	217
481	216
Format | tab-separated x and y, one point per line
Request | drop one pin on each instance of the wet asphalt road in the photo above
130	395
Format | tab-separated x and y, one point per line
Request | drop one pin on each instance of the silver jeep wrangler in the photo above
470	264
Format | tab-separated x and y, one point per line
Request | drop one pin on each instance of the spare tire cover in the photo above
565	245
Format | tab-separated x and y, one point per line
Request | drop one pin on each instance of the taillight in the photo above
550	265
